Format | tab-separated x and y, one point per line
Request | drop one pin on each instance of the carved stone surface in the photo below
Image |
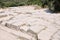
28	24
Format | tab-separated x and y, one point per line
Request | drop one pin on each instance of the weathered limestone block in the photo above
18	34
24	28
37	28
47	33
31	24
56	35
22	38
4	35
32	33
12	26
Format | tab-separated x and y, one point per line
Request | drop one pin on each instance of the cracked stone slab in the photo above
56	35
37	29
6	36
18	34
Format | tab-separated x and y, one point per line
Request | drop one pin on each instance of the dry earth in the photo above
29	23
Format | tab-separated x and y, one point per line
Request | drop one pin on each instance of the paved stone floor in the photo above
28	23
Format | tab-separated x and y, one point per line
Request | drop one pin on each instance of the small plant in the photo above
54	5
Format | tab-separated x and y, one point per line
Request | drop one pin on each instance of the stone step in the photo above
7	36
17	33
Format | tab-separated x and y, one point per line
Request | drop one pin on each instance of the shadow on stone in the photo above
49	11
